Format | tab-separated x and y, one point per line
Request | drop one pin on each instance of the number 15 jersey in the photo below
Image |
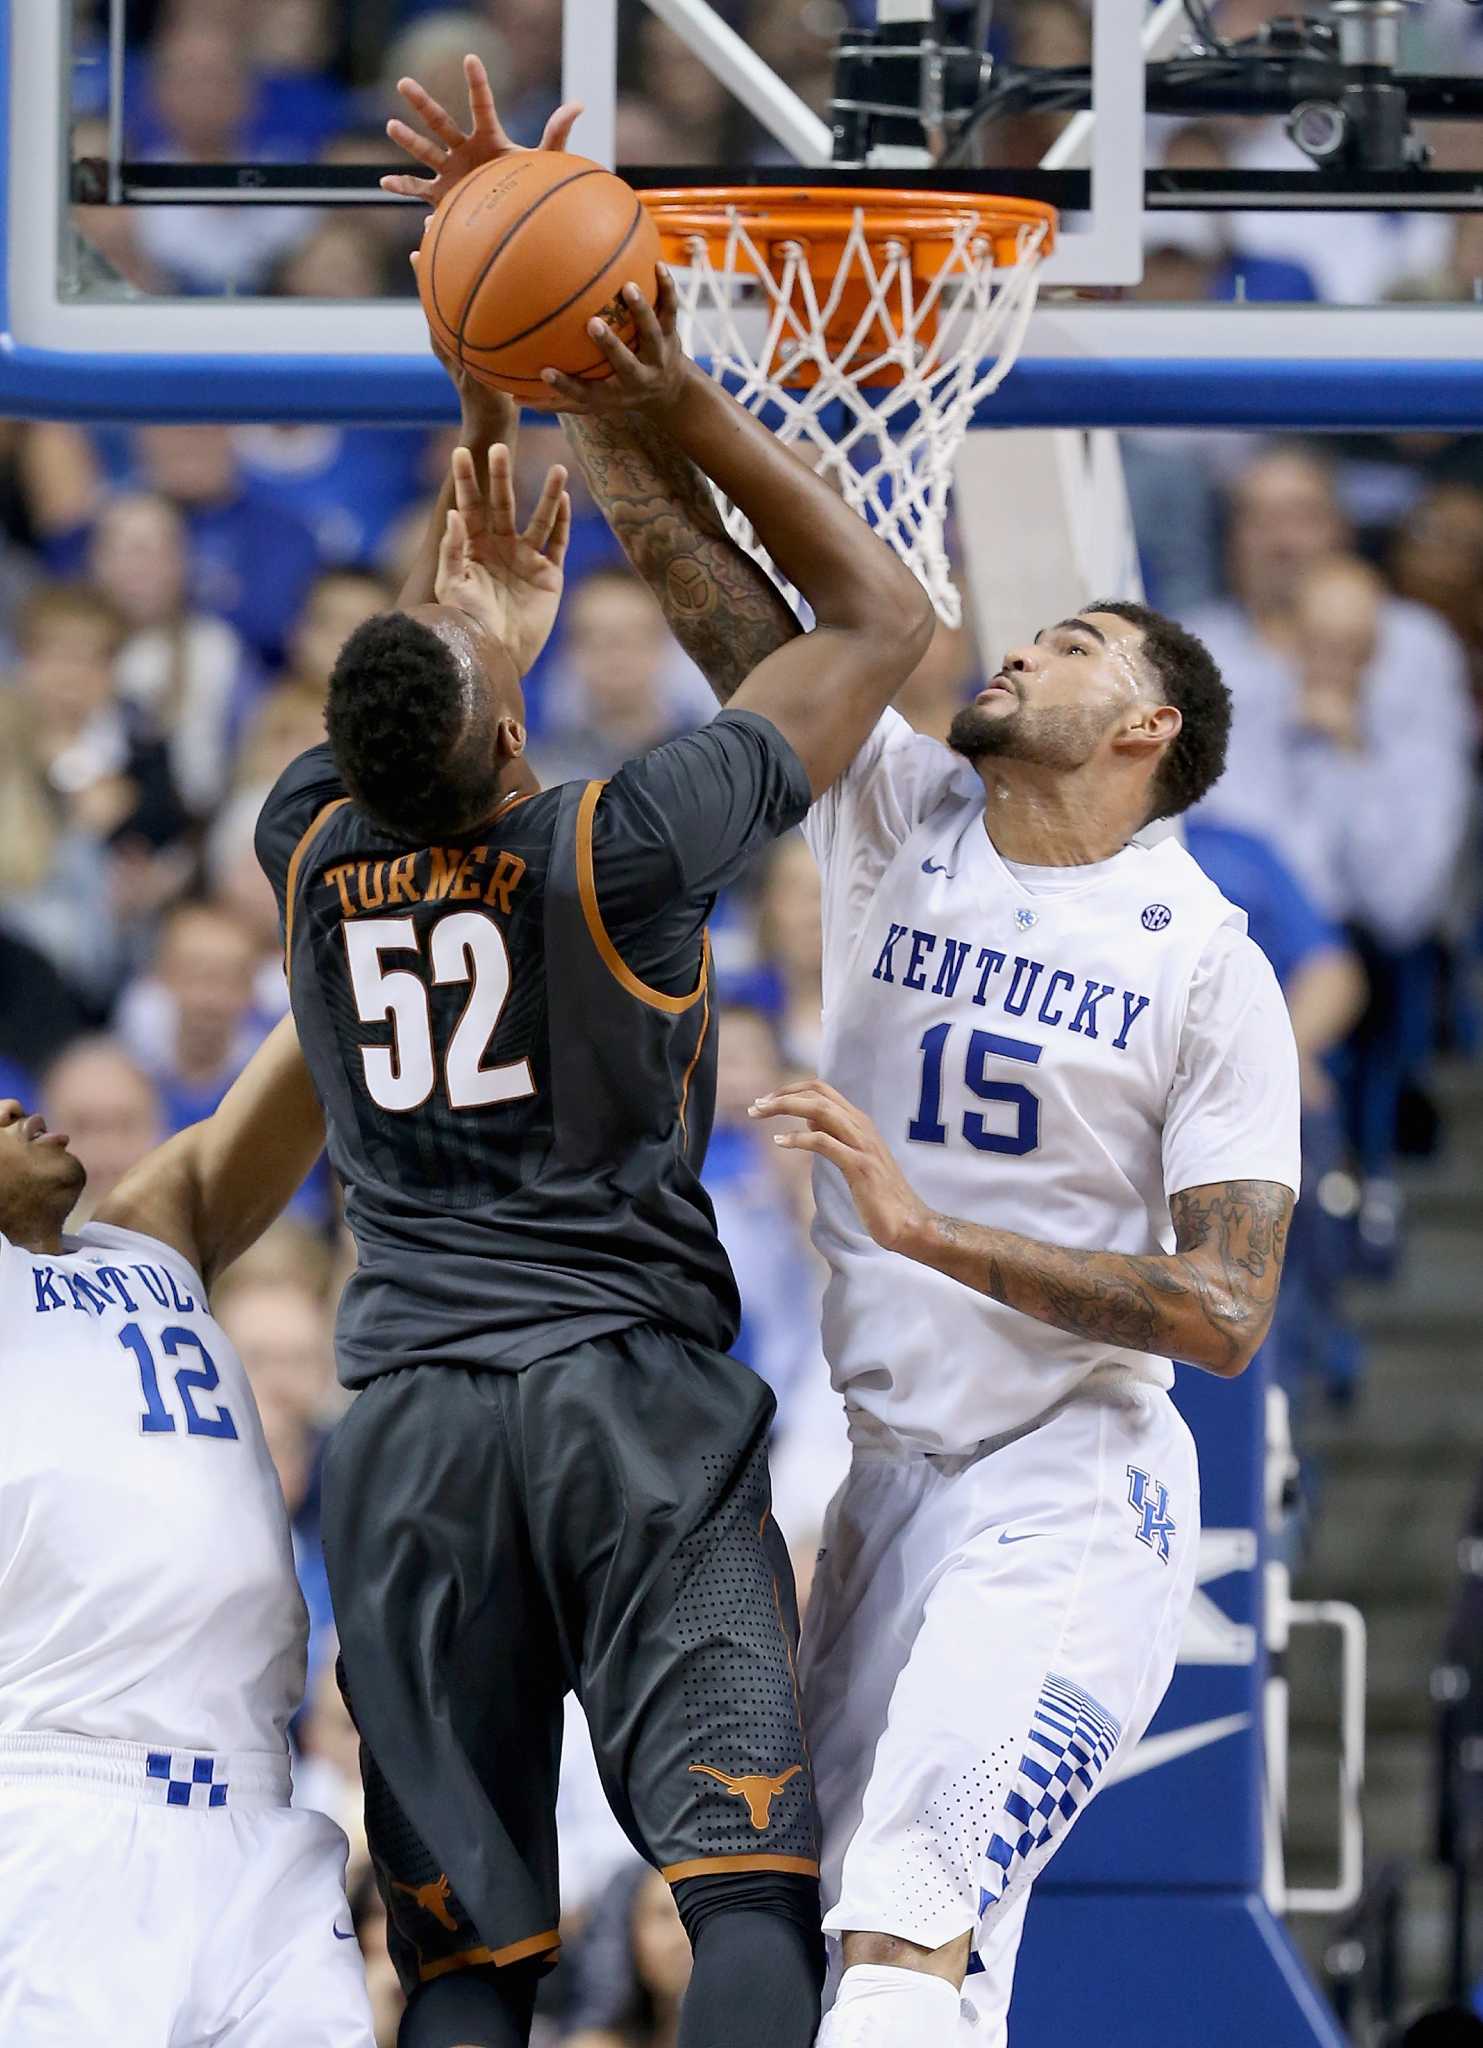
512	1038
1050	1051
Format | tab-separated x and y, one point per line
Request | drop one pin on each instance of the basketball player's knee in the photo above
478	2008
790	1902
949	1962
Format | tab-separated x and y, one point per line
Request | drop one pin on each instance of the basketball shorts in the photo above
163	1898
986	1636
599	1522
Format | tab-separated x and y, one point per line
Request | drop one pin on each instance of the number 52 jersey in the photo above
1050	1051
512	1038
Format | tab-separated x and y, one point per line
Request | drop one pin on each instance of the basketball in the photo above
521	255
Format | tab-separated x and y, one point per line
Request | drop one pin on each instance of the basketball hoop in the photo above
882	320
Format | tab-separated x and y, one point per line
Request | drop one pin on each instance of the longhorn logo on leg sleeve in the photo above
759	1792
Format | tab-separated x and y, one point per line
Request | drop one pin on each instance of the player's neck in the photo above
32	1233
1046	820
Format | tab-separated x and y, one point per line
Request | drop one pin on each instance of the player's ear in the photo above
509	739
1149	726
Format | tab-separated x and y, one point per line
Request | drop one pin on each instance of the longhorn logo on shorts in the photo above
758	1792
1151	1502
431	1898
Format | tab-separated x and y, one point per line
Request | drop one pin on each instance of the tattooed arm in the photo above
1209	1302
726	613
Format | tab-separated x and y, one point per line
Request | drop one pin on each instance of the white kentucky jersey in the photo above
1053	1052
147	1589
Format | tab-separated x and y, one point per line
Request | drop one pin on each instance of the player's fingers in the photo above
797	1098
543	520
579	396
561	533
453	550
405	185
650	333
621	359
466	487
482	112
666	299
500	502
558	132
819	1142
416	144
432	113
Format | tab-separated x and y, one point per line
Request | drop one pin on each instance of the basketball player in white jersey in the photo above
158	1890
1058	1145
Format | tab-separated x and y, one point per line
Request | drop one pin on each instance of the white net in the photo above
874	371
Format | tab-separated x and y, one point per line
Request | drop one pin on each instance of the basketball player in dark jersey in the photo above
554	1477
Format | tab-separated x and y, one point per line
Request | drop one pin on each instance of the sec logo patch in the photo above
1156	917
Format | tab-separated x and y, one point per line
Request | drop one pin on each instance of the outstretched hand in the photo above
508	577
647	377
450	153
890	1208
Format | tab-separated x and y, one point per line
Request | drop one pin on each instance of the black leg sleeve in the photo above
473	2009
759	1961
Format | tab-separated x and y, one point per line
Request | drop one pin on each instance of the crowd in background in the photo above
172	600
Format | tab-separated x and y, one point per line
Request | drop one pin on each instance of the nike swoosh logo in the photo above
1005	1536
1155	1750
931	867
340	1935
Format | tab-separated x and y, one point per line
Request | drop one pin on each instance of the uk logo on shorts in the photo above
1150	1501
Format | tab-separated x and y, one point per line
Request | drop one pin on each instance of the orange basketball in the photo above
521	255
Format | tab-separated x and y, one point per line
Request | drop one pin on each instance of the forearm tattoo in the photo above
723	609
1211	1302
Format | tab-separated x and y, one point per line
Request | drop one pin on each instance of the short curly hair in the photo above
402	733
1192	682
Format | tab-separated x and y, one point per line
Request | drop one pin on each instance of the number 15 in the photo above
927	1127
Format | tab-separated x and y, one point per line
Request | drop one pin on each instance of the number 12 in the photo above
927	1127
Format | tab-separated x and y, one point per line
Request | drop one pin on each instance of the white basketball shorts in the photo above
165	1899
983	1635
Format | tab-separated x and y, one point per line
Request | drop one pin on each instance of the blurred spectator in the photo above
300	101
235	878
109	1107
698	120
282	1335
190	1023
338	601
251	559
39	1014
338	259
612	693
1202	255
1352	723
107	252
1311	1339
184	668
202	98
790	938
1437	559
797	38
327	1769
632	1967
432	51
286	1255
1176	518
88	811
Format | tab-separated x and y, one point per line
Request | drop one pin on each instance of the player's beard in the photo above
1060	736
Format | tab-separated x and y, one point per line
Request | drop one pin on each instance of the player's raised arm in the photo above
722	607
488	420
1208	1302
825	690
213	1190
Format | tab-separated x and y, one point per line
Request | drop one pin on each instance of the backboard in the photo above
1063	117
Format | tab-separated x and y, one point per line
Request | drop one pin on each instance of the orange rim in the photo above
828	213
